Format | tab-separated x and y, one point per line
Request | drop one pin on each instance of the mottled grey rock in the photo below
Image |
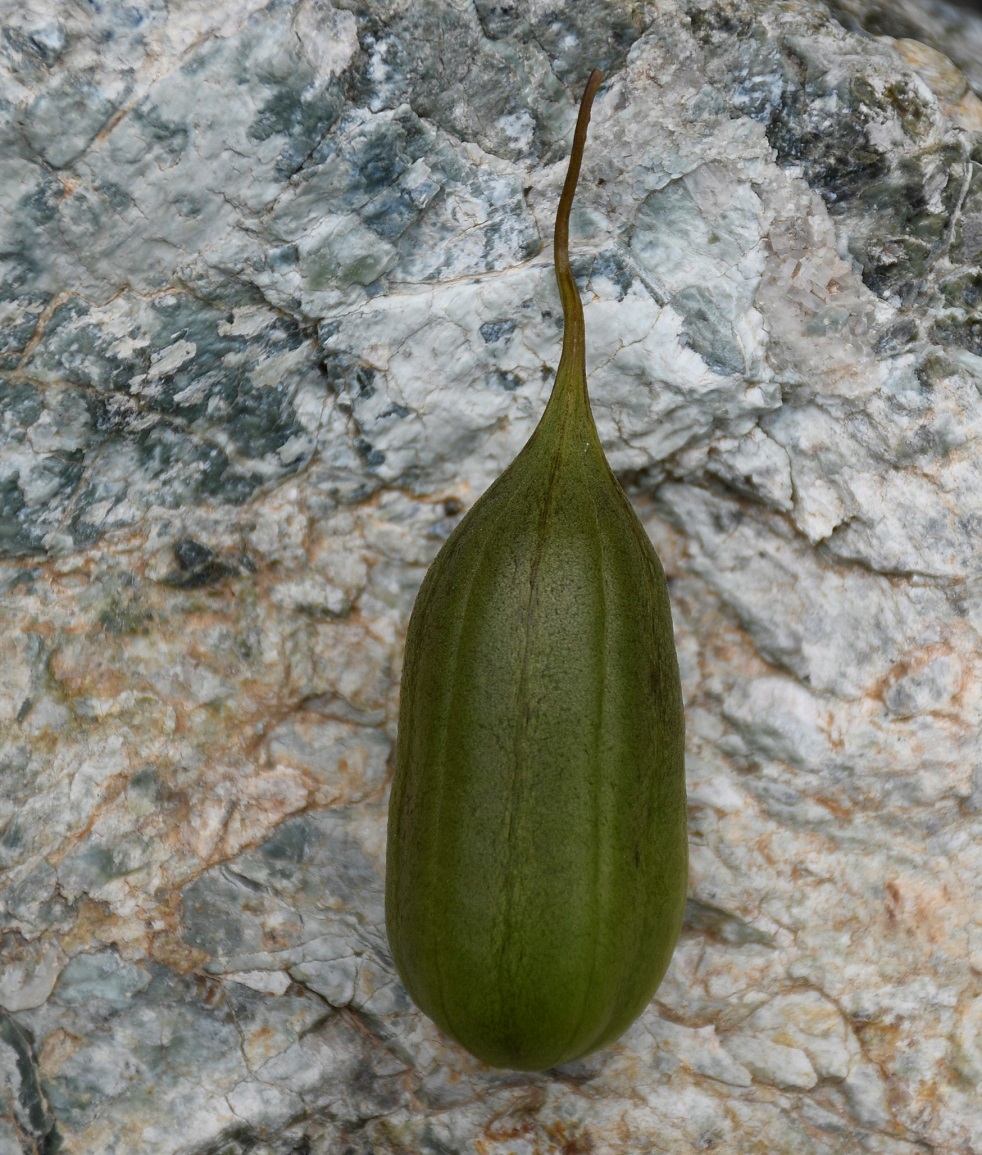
276	305
952	28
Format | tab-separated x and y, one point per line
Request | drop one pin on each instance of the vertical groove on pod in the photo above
598	840
440	792
520	758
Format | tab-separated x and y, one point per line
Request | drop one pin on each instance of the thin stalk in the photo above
572	364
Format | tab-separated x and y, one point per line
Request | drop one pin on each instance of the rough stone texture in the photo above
276	305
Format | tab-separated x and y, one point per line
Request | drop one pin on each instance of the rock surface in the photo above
276	306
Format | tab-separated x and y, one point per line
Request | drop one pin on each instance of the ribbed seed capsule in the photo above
537	857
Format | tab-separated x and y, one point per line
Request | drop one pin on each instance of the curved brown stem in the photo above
574	345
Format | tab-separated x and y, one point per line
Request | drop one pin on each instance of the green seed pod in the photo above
537	856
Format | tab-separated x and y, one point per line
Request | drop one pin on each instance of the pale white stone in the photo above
268	982
808	1022
771	1062
29	981
719	793
787	721
333	979
270	1106
699	1049
867	1095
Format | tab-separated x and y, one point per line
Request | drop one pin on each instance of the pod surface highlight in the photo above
537	855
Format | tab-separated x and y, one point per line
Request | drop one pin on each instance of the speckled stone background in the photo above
276	305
